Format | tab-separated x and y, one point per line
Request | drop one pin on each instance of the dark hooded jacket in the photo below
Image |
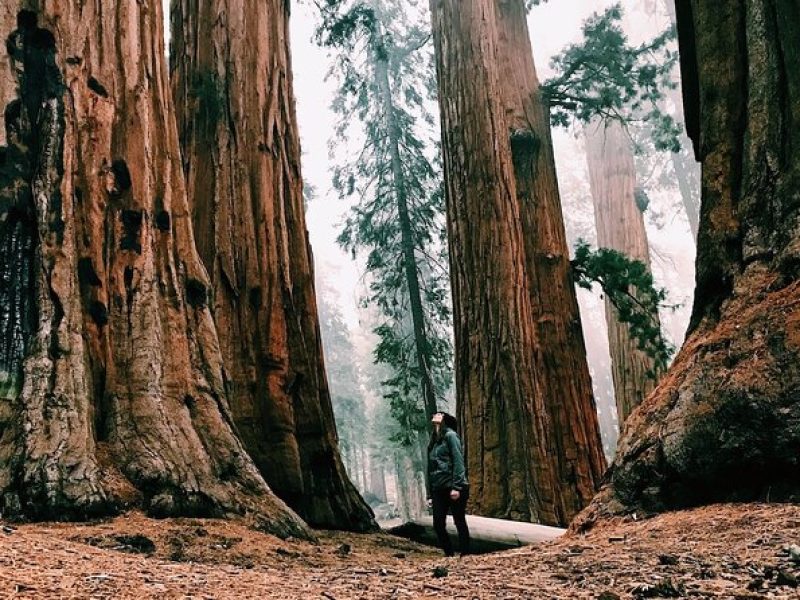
446	462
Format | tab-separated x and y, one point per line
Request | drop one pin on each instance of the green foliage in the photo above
370	46
641	198
657	171
342	27
10	386
629	286
606	77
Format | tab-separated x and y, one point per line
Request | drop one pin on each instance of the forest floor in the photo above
724	551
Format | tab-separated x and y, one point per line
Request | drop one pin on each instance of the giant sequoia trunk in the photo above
724	423
112	377
566	384
620	226
238	131
499	391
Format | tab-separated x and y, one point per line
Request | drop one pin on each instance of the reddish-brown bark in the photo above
566	383
113	391
499	390
724	423
241	151
620	226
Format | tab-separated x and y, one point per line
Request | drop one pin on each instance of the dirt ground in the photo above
729	551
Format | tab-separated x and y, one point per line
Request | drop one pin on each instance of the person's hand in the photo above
429	503
455	495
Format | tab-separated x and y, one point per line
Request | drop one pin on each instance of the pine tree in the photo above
383	68
606	77
613	87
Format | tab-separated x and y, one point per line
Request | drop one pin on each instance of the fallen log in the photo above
487	535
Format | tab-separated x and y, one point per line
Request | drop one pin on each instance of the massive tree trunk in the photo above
112	378
724	423
620	226
238	131
566	384
499	392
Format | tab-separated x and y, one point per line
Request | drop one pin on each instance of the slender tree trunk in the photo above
422	347
419	457
365	469
567	386
364	466
377	478
406	481
499	392
723	423
685	169
682	168
359	473
238	130
353	471
399	486
410	265
113	390
352	464
620	226
413	485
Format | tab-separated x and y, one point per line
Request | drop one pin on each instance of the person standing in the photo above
447	482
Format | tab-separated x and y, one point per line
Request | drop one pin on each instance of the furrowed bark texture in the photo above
499	394
567	386
112	376
238	132
724	423
620	226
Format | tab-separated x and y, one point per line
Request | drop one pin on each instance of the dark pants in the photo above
441	505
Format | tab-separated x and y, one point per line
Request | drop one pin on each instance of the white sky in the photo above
325	212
